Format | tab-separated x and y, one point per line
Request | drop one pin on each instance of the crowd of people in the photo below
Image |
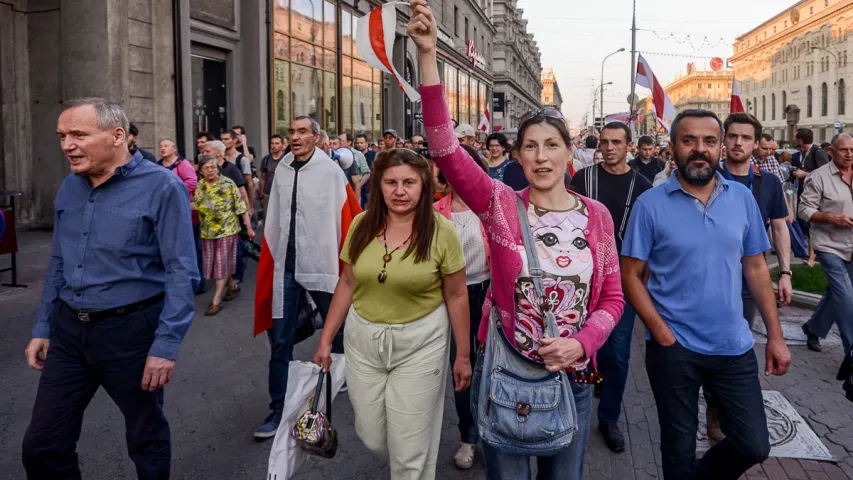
517	266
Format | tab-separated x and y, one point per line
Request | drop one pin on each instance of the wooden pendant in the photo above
382	276
386	258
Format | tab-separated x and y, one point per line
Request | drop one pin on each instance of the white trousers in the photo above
396	376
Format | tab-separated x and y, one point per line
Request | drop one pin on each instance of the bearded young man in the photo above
692	307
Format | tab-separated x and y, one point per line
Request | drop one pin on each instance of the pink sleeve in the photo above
468	180
187	174
611	301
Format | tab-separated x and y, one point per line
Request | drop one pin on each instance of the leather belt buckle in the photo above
83	317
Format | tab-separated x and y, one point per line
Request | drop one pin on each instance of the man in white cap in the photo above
466	134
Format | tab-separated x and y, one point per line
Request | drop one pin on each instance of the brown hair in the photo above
376	214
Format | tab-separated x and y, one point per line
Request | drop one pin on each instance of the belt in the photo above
87	316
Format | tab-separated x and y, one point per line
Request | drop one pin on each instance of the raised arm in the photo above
468	180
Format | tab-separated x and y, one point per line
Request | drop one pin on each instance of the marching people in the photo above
475	247
399	316
691	304
220	209
645	163
574	243
497	155
118	296
268	166
616	185
311	206
827	205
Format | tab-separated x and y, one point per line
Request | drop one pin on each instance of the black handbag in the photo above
313	431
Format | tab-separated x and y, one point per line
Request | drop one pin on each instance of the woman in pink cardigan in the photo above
574	243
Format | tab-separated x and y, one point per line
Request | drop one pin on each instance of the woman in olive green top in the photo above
401	290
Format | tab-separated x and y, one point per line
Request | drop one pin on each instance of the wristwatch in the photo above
786	272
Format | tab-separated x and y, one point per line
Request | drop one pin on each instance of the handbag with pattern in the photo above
313	431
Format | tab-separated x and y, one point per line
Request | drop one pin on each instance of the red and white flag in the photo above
737	104
664	110
375	41
485	122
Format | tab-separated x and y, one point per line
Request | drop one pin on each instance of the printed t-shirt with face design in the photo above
565	258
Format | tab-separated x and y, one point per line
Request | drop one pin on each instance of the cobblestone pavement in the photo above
219	396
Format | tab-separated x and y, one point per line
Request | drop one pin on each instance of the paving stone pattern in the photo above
219	396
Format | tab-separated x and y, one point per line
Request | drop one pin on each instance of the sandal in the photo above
213	309
231	294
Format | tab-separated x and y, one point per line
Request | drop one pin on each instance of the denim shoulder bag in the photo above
523	408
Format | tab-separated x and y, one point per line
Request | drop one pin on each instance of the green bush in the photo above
806	278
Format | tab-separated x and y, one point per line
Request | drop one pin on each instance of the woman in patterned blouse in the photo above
219	205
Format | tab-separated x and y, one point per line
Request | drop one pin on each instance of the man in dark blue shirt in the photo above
132	139
118	297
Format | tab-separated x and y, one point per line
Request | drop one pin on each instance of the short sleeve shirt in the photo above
411	290
694	253
219	207
771	197
565	258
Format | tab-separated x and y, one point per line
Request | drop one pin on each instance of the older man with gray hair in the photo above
117	299
217	149
827	205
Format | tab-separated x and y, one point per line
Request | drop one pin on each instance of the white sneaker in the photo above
464	458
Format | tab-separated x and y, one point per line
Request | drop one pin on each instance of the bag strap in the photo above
627	205
328	377
535	270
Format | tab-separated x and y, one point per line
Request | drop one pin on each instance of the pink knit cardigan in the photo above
495	204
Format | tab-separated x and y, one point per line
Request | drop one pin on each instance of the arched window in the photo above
763	108
784	102
809	101
773	106
824	93
755	106
842	97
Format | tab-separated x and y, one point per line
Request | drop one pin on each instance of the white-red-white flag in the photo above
375	42
485	122
664	110
737	104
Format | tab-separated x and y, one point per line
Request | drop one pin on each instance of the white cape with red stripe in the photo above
325	207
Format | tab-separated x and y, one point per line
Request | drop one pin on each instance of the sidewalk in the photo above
218	397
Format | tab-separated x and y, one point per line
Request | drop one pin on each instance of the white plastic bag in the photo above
286	457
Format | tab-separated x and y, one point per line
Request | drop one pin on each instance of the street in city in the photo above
219	396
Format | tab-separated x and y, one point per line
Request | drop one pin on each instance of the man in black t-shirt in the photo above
617	186
644	163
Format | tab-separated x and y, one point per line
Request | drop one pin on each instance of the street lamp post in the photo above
601	98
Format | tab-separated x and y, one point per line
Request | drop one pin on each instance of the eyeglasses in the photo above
543	112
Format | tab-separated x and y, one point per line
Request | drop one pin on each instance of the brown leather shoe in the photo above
213	309
232	293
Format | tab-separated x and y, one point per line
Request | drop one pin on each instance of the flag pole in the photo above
633	64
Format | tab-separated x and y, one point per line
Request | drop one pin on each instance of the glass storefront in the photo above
313	77
466	95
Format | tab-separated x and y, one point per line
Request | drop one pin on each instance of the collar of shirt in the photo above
673	185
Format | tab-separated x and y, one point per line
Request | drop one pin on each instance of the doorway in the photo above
209	96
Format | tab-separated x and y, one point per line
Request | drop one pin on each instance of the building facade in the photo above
551	96
793	69
181	67
517	67
703	89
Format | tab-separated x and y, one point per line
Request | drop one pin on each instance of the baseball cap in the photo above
465	130
391	131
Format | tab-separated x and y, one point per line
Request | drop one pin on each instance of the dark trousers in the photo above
613	361
675	375
198	255
467	425
282	336
82	357
241	262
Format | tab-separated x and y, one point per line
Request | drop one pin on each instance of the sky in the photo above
575	37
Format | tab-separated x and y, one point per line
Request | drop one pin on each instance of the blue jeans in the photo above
198	254
675	375
467	425
282	336
566	465
836	306
613	366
